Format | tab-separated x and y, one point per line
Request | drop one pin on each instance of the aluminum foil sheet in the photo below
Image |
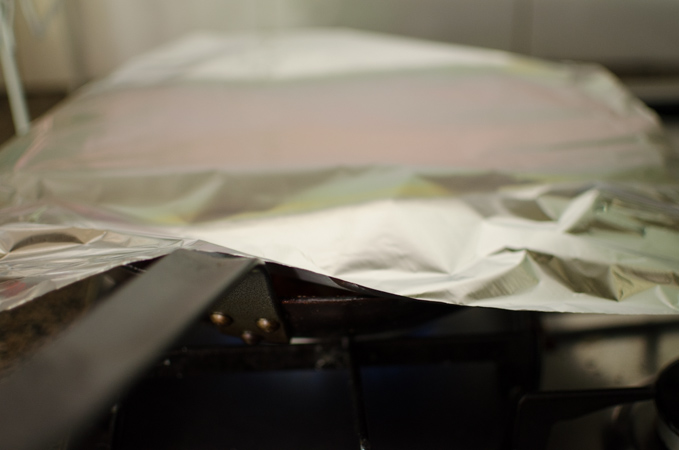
428	170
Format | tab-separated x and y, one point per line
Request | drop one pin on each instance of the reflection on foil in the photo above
419	169
37	259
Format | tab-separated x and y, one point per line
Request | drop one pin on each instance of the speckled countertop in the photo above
29	326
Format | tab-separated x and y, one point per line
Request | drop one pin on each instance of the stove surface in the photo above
596	351
464	403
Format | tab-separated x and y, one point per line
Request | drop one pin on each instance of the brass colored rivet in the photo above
220	319
250	338
266	325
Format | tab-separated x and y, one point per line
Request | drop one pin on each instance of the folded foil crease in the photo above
458	175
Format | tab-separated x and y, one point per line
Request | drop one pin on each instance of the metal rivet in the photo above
250	338
220	319
266	325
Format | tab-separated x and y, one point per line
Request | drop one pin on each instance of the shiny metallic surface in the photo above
425	170
221	319
593	351
267	326
668	436
247	303
250	337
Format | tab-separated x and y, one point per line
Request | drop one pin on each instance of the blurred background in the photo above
61	44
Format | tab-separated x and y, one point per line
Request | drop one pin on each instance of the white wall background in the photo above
88	38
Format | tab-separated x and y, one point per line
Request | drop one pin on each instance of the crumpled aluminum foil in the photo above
434	171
